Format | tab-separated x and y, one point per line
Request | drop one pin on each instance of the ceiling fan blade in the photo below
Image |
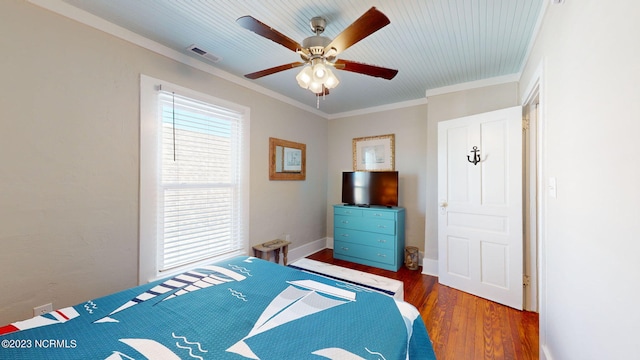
371	70
251	24
273	70
370	22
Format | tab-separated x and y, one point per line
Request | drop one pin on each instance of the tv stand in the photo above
371	236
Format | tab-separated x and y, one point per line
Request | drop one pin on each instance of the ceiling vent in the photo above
207	55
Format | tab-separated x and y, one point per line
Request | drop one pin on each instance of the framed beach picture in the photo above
374	153
287	160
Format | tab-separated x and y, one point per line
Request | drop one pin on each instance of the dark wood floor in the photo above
460	325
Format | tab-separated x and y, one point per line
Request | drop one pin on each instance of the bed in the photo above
241	308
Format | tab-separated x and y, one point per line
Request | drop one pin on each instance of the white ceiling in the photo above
434	44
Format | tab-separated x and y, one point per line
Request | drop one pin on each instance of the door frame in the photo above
534	192
530	202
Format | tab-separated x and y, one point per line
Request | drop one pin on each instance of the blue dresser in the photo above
371	236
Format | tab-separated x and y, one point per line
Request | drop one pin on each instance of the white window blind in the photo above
199	195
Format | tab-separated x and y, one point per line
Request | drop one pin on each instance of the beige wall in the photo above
409	126
69	159
446	107
590	58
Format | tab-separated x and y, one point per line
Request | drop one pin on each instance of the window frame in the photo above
150	245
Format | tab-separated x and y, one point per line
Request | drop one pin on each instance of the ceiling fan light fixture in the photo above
331	81
316	78
316	87
320	72
304	77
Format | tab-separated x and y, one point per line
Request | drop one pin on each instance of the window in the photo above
193	179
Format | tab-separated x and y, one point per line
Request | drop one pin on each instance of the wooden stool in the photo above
275	246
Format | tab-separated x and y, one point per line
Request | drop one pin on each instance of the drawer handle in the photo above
345	235
345	221
382	226
345	248
376	214
382	255
347	212
382	241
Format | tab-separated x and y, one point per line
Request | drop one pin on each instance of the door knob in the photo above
443	207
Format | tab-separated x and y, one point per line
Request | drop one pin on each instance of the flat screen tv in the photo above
363	188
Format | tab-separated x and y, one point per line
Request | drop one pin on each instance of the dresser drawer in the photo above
384	256
383	241
365	224
348	211
348	222
375	214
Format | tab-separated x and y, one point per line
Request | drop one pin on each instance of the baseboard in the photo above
430	267
306	249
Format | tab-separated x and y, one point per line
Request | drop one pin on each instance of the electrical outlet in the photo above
42	309
287	237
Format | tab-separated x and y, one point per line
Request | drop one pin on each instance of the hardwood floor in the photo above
460	325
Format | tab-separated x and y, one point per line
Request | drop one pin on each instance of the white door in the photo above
480	205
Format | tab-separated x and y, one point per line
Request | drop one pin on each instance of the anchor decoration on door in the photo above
476	156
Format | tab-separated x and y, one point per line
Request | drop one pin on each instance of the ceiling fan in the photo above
320	52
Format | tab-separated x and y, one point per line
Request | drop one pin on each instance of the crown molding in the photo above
473	84
375	109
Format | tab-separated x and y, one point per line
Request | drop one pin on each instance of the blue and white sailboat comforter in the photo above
243	308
